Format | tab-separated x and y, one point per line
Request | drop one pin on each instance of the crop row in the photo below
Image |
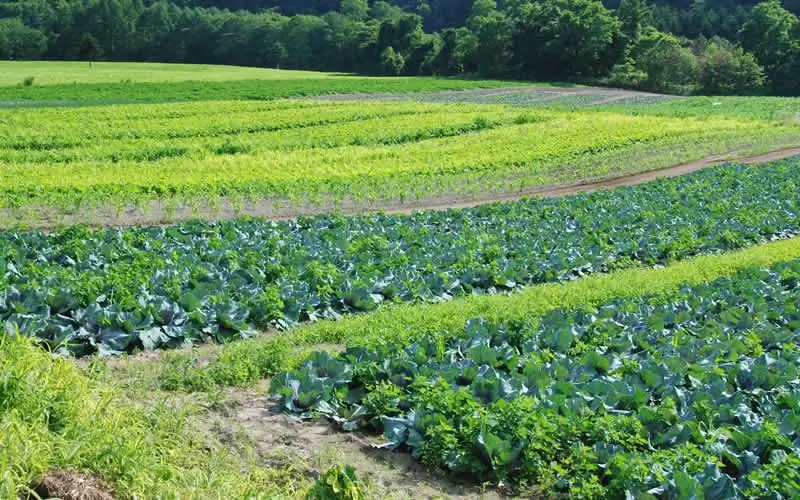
188	120
785	109
324	130
118	290
531	149
248	361
550	99
694	397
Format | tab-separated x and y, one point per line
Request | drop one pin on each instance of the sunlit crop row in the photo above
118	156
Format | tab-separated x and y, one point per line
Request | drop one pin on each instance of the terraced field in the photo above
634	342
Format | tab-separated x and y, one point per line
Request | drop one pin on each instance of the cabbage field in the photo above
248	283
117	290
695	396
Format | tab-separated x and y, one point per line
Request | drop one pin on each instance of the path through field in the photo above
590	96
157	214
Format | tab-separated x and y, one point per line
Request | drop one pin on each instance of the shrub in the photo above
727	69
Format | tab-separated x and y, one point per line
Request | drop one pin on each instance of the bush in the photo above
626	75
727	69
670	66
392	63
27	82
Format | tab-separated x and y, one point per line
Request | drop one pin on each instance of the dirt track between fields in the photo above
604	183
157	214
606	95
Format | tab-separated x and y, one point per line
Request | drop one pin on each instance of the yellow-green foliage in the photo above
300	149
52	416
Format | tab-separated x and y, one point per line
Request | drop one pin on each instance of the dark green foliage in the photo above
726	70
85	291
18	41
574	40
772	34
694	396
89	49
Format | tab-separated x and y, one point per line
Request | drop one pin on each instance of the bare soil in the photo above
71	485
611	94
249	420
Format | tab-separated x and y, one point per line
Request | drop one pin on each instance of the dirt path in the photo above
605	183
157	214
547	93
246	419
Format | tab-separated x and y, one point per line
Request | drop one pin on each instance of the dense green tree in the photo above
355	9
153	26
18	41
493	50
564	39
772	34
726	69
392	62
661	47
634	15
304	39
454	53
90	49
668	64
385	11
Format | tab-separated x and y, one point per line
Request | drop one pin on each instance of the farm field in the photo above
629	331
784	109
118	290
162	162
692	395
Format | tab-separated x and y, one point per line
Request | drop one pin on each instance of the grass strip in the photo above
243	363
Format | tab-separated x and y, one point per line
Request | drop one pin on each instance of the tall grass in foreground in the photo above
54	417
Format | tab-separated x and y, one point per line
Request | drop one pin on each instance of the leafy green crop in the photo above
267	155
116	290
698	396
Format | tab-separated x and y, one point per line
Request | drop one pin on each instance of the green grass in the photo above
75	83
245	362
54	417
60	72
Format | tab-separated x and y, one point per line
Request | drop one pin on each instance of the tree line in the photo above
698	48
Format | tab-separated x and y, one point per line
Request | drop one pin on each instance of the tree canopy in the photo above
716	46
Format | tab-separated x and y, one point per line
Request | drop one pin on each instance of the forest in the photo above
672	46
